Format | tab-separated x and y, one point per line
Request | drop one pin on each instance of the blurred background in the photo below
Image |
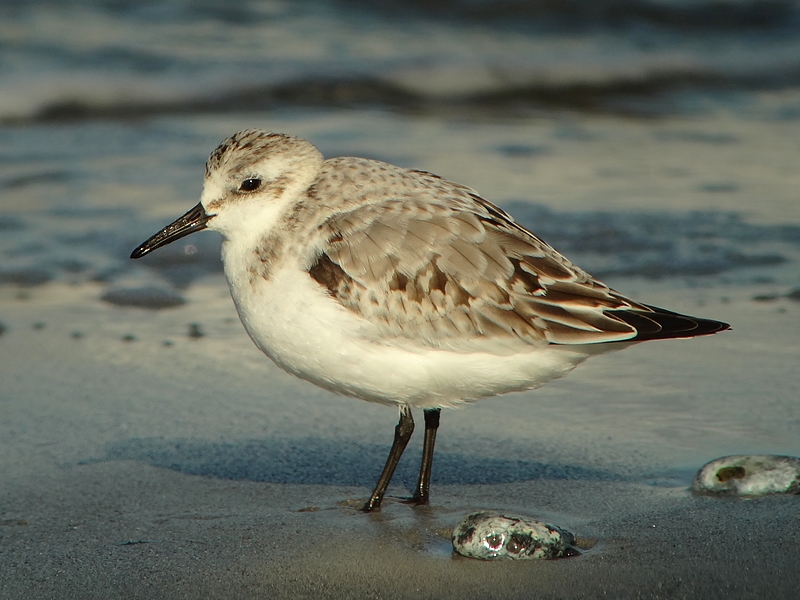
466	59
652	138
109	108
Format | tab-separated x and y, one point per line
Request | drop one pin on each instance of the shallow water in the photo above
68	61
656	144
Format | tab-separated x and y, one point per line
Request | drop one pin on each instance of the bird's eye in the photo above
250	185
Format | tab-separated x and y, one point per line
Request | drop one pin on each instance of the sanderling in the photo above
400	287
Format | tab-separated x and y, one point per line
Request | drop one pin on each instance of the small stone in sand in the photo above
490	535
144	297
749	475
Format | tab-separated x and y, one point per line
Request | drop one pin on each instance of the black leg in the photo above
424	483
402	433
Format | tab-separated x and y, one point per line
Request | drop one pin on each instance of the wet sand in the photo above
135	468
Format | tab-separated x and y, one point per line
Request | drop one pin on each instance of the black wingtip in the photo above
661	324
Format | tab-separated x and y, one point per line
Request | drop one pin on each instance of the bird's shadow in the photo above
310	460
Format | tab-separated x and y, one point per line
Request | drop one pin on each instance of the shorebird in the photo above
397	286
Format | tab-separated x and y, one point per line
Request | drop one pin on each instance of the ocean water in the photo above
73	61
108	109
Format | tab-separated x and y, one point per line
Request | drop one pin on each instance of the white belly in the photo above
307	333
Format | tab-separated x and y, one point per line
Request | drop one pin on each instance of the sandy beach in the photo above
140	470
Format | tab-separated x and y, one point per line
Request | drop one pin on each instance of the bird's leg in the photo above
424	484
402	433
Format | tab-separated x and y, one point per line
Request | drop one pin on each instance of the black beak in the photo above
194	220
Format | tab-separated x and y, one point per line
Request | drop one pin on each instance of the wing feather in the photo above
440	266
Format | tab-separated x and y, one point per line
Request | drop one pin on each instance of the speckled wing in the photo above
439	264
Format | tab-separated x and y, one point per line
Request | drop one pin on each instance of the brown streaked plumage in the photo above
438	264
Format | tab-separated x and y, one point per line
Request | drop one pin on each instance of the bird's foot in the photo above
372	505
416	500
